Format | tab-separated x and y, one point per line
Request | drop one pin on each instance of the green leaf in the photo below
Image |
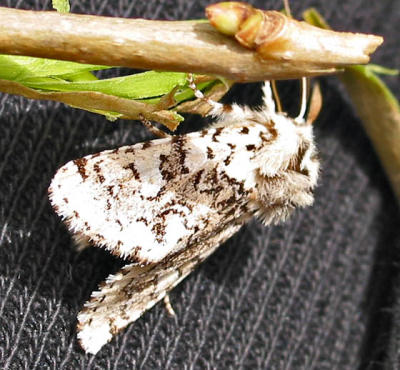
380	113
377	107
20	68
149	94
314	17
375	68
138	86
61	6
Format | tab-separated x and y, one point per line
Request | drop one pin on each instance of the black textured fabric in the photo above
319	292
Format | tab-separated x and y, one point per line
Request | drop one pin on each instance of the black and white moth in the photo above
167	204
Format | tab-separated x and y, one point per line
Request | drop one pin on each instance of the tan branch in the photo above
162	45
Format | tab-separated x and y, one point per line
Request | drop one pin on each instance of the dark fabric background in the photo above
319	292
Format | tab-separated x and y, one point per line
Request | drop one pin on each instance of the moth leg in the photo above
216	108
197	93
276	96
168	306
154	130
81	241
303	106
315	104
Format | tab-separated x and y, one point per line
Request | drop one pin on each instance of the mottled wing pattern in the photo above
124	297
150	200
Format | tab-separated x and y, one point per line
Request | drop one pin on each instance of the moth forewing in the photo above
150	200
169	203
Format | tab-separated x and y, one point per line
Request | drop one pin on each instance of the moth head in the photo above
304	159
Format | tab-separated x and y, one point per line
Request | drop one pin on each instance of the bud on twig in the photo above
275	36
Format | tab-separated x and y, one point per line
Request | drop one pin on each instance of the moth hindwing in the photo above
167	204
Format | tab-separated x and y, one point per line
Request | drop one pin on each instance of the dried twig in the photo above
92	101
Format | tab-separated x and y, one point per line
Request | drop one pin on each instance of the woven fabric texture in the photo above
318	292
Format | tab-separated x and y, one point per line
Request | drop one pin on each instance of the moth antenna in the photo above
268	100
217	108
303	107
315	104
287	8
276	96
153	129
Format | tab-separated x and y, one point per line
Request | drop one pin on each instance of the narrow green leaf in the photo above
377	107
20	68
150	94
314	17
61	6
80	76
380	113
138	86
375	68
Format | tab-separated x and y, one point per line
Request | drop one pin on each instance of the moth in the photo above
165	205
